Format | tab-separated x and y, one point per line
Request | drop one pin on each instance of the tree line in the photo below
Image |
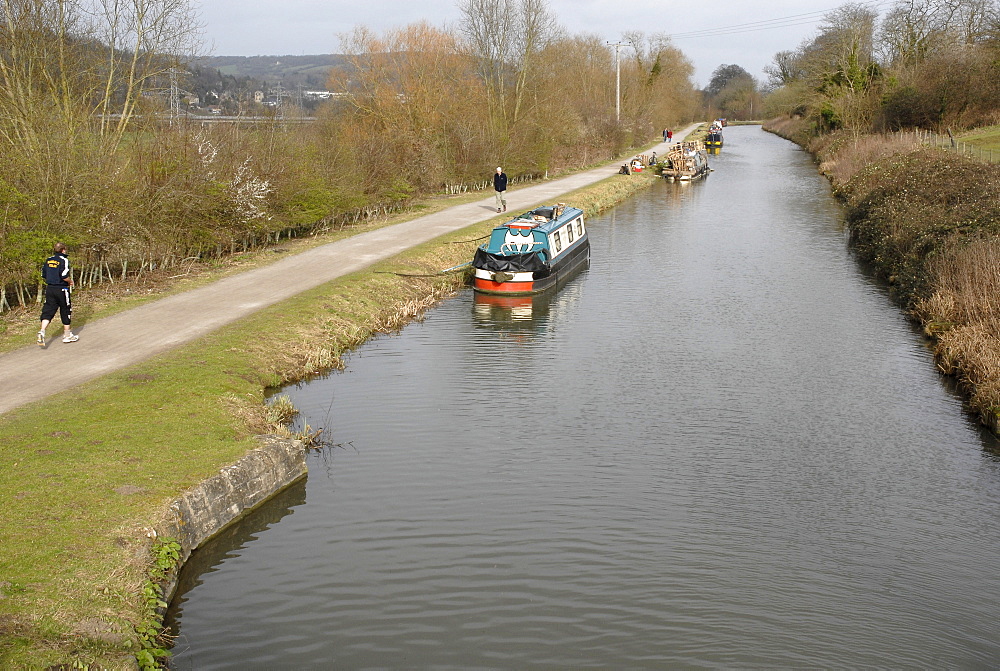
931	64
95	155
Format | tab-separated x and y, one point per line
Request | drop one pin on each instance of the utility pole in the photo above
175	96
618	81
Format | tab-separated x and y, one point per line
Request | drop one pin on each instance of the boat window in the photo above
555	237
569	232
579	226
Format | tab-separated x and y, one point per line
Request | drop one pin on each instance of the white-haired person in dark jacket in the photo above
500	186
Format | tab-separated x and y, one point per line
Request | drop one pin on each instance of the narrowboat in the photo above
684	162
532	252
713	140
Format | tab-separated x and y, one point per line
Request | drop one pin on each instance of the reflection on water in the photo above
529	313
509	310
722	446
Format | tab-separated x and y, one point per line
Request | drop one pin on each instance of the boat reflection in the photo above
510	310
533	313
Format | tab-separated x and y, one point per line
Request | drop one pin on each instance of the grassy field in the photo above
83	476
987	138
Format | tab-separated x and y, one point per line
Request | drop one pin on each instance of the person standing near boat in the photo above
500	186
59	286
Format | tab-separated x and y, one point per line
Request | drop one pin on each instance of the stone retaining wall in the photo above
206	509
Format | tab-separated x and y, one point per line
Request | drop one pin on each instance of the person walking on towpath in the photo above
59	287
500	186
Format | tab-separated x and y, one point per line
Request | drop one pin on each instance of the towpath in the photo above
128	337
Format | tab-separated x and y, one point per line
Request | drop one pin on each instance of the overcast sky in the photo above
747	34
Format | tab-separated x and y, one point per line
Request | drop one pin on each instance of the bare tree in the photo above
969	21
71	58
845	48
143	41
912	30
738	97
506	37
656	87
40	63
415	94
785	68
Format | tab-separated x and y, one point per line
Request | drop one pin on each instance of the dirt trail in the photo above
134	335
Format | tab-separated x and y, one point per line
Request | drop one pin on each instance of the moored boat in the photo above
532	251
713	140
684	162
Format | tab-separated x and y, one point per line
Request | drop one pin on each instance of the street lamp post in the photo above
618	81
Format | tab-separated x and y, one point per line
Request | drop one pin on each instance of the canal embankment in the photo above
927	220
91	476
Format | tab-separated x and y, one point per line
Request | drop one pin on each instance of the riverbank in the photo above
86	474
928	222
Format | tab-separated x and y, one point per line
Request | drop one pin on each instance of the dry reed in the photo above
963	314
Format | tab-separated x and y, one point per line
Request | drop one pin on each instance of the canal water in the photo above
720	446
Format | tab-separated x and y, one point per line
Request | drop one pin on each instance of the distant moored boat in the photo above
684	162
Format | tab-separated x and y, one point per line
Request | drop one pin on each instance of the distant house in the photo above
258	97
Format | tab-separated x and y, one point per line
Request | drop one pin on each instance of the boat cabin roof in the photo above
680	150
546	218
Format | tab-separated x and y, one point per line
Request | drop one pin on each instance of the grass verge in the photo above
83	475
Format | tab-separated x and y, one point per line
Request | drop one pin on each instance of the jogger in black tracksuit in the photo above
59	287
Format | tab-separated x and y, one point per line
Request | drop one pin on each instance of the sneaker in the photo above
71	338
498	209
41	339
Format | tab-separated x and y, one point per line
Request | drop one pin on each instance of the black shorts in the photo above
57	298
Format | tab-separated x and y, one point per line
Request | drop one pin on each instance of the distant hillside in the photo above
290	71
